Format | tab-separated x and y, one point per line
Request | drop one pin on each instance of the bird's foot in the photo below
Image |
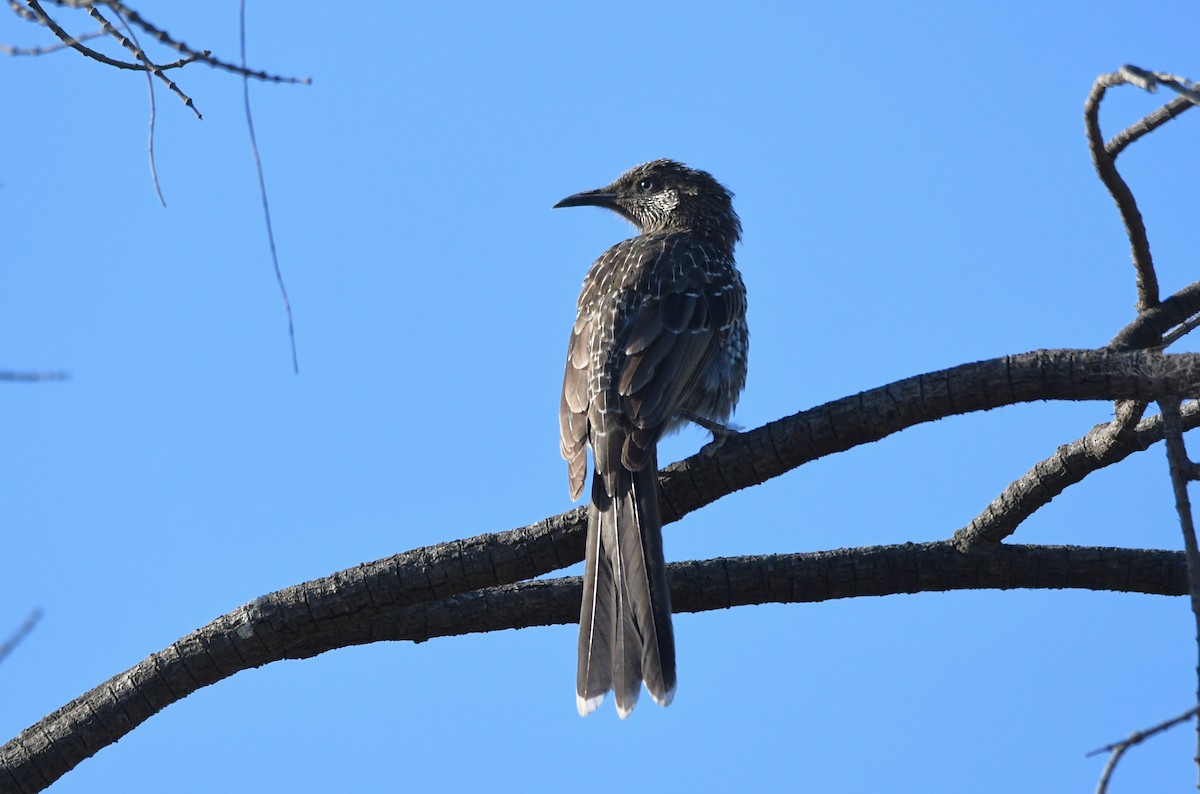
720	432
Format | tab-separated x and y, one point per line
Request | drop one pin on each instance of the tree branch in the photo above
755	456
309	619
1104	157
8	49
1182	471
1106	169
140	54
428	592
74	43
1104	445
1137	737
1146	330
164	38
34	12
1148	124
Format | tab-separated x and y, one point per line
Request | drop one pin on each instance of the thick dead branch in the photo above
429	592
1147	329
756	456
344	610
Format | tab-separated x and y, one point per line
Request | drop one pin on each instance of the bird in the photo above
660	339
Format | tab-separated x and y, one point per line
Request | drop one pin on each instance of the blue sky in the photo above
916	193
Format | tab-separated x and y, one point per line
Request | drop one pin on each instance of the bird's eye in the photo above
646	185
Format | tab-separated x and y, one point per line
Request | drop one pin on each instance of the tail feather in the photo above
640	530
625	633
597	621
626	652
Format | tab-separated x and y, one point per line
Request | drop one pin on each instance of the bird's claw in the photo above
721	432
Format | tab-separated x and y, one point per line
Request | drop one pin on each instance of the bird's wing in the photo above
659	307
671	340
589	408
572	413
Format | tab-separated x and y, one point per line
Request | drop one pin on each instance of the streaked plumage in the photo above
660	331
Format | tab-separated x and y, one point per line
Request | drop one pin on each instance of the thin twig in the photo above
153	113
1147	125
8	49
141	56
1117	749
32	377
164	38
1180	331
1149	82
262	190
21	633
73	43
1181	469
23	12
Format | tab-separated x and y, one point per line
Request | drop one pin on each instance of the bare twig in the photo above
1117	749
32	377
1106	169
262	191
141	56
34	12
1149	82
1147	125
23	12
8	49
21	633
1180	331
164	38
1181	472
74	43
153	115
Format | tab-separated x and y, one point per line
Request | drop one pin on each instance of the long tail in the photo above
625	634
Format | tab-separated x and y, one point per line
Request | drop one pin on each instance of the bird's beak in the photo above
590	198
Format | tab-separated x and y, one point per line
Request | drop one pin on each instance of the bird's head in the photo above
665	195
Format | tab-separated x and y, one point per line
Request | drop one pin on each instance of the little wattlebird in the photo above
660	339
